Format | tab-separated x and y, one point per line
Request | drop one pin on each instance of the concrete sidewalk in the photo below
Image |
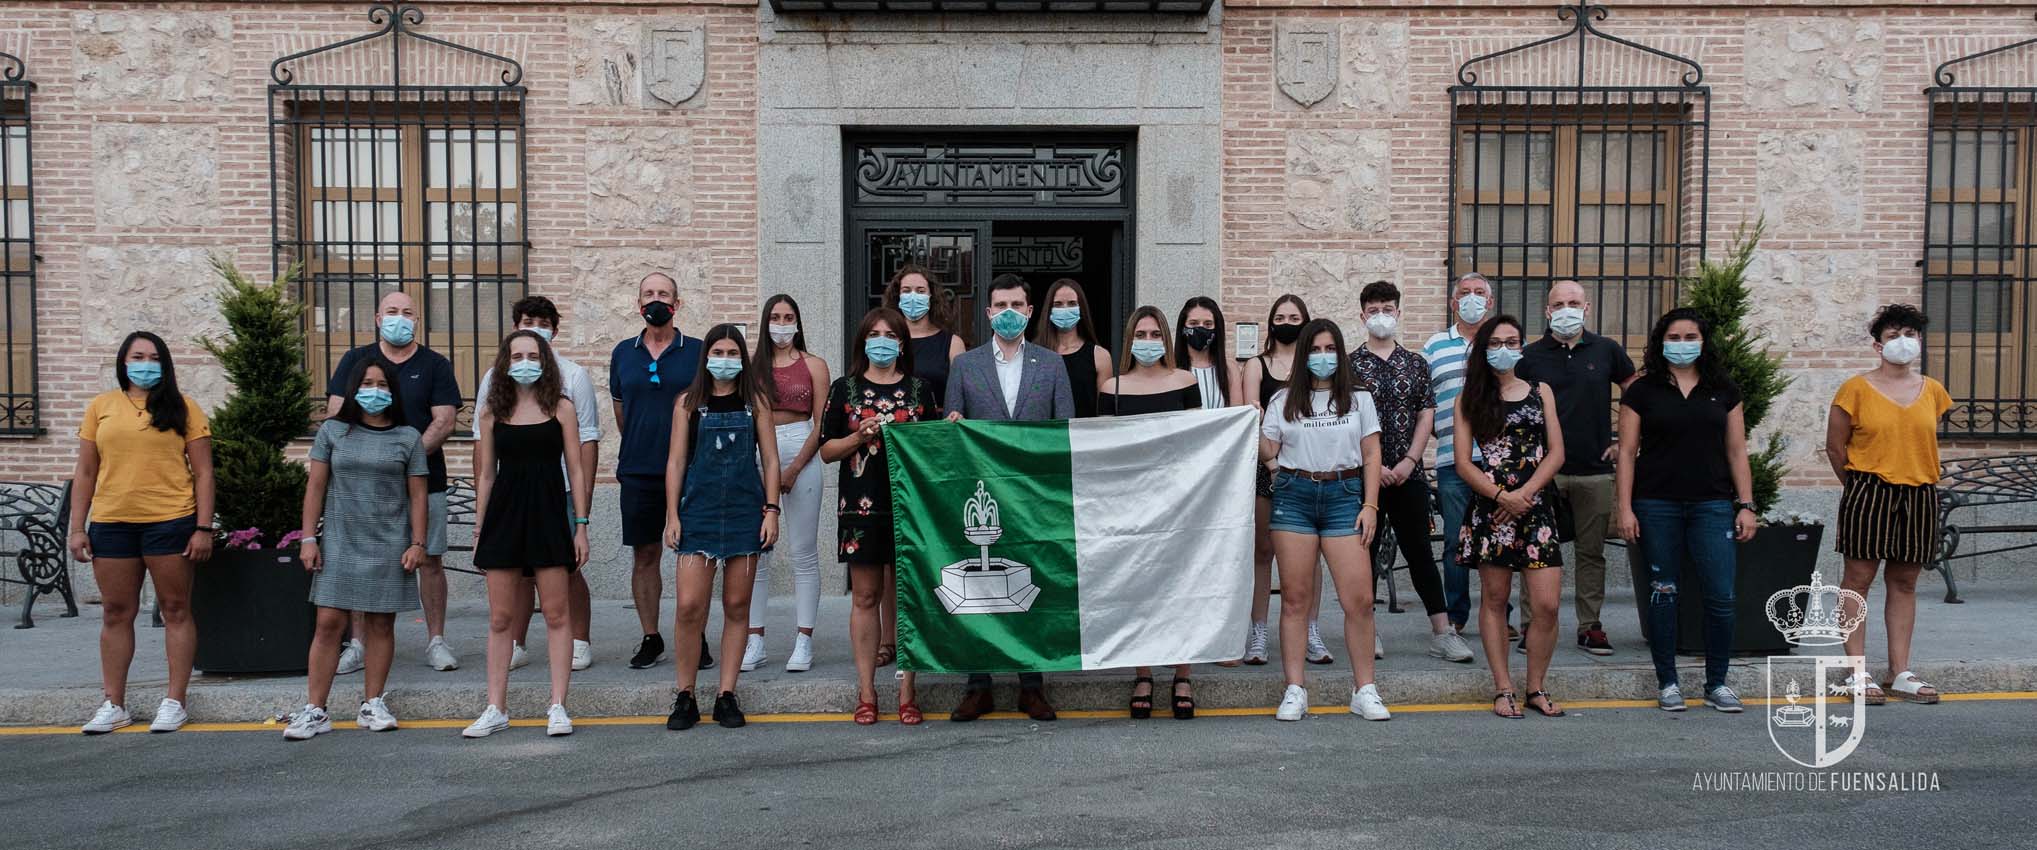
50	674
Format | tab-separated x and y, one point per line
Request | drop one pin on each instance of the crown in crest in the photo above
1815	614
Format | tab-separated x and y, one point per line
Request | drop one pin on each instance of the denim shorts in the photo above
136	539
1321	508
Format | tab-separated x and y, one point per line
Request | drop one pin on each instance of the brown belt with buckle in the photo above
1338	475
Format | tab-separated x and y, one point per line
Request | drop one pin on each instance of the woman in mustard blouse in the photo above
1882	438
144	481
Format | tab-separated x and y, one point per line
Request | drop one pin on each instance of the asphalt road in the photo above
1611	778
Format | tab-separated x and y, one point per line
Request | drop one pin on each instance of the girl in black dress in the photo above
1149	382
525	528
1066	330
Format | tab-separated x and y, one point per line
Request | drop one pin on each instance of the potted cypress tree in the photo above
1784	550
251	601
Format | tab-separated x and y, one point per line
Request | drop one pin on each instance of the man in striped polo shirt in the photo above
1470	305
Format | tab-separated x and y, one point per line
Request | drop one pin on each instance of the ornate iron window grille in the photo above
1980	279
1603	184
20	399
399	185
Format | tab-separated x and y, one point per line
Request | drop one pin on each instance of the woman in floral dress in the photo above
877	390
1511	527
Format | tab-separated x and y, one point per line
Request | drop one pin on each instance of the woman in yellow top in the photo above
144	478
1882	438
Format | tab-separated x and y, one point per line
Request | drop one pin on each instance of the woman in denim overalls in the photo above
724	461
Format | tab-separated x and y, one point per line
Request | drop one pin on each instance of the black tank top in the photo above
1268	385
1082	379
930	364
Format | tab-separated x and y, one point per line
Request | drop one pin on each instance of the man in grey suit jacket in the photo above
1008	379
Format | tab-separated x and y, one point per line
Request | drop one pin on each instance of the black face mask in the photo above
1286	334
1200	338
658	314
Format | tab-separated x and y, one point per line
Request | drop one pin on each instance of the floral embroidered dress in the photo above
865	506
1528	542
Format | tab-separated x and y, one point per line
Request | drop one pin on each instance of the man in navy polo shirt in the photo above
646	374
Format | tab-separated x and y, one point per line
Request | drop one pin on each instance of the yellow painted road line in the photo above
273	727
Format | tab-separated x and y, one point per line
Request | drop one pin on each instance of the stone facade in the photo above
1810	180
156	175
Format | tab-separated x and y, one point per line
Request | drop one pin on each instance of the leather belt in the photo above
1338	475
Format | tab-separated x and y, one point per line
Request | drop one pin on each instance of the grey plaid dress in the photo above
367	517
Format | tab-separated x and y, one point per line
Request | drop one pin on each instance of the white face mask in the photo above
783	334
1566	322
1471	308
1902	350
1382	325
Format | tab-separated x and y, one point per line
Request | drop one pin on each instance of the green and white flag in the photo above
1073	545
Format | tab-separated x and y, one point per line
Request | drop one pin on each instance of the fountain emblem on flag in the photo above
983	584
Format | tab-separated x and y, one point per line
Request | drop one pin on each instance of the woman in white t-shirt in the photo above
1325	503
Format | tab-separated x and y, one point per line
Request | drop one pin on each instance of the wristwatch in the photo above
1747	506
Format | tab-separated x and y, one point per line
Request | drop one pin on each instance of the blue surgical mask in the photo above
1503	359
1008	323
144	373
1682	352
882	351
543	333
374	400
1471	309
914	304
397	330
1567	322
526	372
1148	351
724	368
1065	318
1323	364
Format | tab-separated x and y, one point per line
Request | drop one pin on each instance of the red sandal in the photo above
866	714
908	714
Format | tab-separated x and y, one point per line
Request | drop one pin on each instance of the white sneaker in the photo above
1255	644
1365	702
490	722
517	657
170	717
1378	648
1318	653
753	653
1449	646
309	722
583	655
108	718
352	658
375	716
440	656
801	659
556	721
1293	704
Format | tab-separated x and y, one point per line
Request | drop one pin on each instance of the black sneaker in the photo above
686	712
726	712
648	652
706	658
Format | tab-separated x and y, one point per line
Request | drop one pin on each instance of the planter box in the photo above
1778	558
253	612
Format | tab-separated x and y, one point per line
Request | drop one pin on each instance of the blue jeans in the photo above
1321	508
1701	534
1454	497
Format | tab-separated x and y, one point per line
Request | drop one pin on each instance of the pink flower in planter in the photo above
246	538
290	538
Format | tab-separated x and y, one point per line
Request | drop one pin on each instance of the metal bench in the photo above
35	522
1976	483
460	513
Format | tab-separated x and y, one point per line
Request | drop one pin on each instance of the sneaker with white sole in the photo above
753	653
375	716
1293	704
1449	646
557	722
1378	647
440	656
309	722
352	658
583	655
170	716
517	656
1318	652
1723	699
1255	644
108	718
1671	698
1365	702
801	659
490	722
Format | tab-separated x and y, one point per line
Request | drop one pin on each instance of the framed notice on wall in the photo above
1247	335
